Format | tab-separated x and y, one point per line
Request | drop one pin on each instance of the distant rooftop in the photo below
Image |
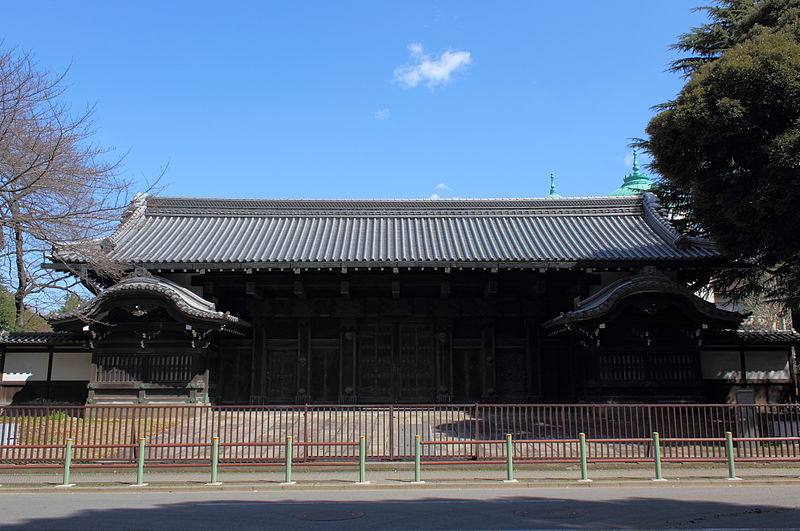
42	338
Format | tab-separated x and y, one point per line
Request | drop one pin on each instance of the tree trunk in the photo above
22	276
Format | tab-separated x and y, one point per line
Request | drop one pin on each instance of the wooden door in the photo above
324	370
374	365
512	372
467	371
281	374
415	364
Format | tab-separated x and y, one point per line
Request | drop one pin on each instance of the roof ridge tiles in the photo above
176	206
445	200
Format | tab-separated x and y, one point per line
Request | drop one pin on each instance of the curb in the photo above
403	485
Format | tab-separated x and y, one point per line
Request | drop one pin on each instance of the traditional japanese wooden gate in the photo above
396	363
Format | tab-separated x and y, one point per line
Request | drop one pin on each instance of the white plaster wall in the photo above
721	365
767	365
25	367
71	366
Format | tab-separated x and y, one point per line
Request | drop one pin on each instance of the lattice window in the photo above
649	366
151	368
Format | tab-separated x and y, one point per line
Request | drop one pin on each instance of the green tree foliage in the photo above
71	301
733	22
7	310
728	147
31	321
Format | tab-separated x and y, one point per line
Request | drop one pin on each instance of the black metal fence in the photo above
181	433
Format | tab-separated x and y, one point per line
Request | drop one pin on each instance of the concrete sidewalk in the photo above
385	475
718	506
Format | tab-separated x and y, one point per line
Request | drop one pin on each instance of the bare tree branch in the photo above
58	190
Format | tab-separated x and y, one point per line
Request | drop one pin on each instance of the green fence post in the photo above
509	460
214	461
289	451
417	458
730	454
583	454
362	461
67	464
140	463
657	455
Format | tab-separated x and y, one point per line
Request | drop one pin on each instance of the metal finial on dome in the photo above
553	194
635	182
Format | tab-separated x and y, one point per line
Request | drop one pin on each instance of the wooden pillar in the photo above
489	360
347	364
90	396
530	333
303	362
444	364
48	385
743	364
220	373
534	341
259	375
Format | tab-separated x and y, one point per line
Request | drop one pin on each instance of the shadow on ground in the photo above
256	510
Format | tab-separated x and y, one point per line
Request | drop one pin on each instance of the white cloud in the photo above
440	191
629	160
383	114
430	70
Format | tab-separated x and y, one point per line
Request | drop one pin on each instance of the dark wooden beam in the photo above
491	288
445	289
208	288
298	289
251	290
344	288
396	289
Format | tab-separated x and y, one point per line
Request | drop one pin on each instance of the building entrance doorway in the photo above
396	363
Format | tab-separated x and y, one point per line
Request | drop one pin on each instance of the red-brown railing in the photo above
181	433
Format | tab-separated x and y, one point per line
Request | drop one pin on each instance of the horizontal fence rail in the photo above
181	434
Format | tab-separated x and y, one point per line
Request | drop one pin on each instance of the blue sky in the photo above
364	99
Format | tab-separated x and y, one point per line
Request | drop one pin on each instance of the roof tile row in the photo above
191	231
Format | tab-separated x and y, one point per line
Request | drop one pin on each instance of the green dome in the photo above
635	182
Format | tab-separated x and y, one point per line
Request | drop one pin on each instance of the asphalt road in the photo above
673	507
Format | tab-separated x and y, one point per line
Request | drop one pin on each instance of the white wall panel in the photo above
25	367
71	366
721	365
767	365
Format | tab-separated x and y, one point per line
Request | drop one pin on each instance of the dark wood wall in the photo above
433	336
386	336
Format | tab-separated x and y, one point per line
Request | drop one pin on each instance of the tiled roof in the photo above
161	231
753	337
41	338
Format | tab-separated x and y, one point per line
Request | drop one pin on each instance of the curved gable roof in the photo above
185	302
648	281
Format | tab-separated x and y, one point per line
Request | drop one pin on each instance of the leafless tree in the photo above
57	188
